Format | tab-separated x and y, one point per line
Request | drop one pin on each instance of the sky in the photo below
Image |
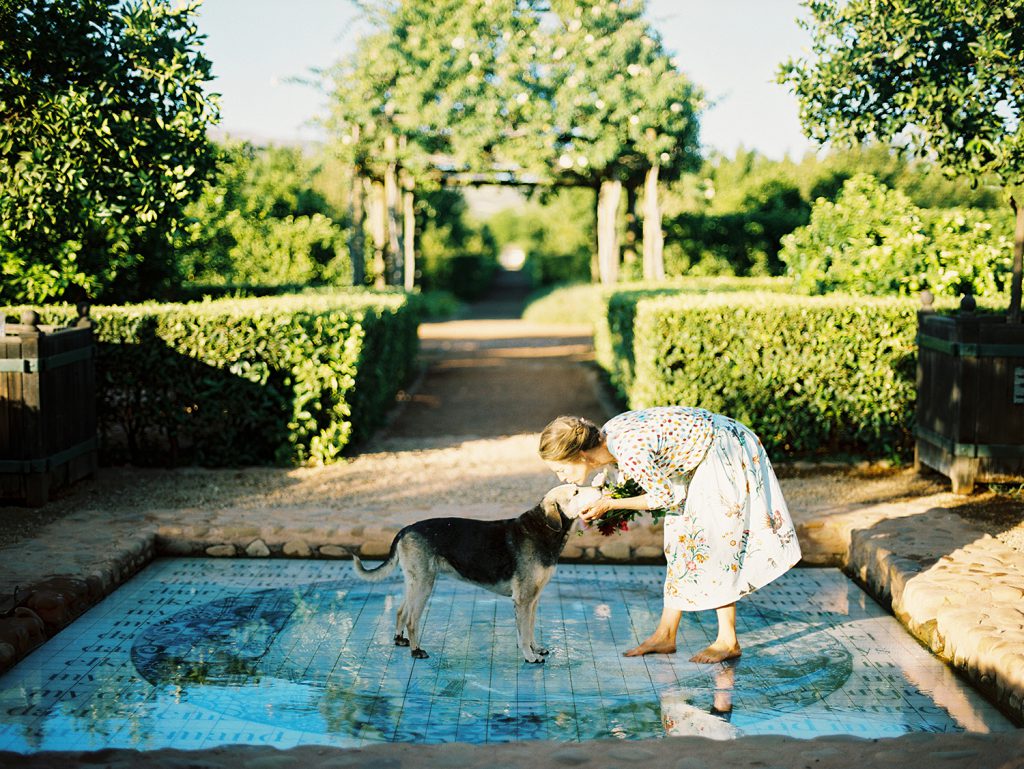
731	48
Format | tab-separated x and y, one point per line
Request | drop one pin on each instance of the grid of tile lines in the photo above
195	653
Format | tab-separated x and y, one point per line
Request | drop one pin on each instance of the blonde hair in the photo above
565	437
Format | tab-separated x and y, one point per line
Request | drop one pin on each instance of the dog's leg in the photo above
542	577
532	616
414	615
419	584
524	598
400	615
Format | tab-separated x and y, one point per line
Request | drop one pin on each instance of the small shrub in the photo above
874	240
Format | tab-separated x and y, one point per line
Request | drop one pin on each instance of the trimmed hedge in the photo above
809	374
288	380
613	331
587	302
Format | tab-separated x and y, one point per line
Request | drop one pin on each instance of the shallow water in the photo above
196	653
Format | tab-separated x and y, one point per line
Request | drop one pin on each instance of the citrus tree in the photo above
942	76
102	143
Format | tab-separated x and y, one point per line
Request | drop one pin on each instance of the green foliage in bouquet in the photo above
619	520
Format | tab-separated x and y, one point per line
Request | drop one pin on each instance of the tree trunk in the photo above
356	239
1018	261
631	238
607	231
378	231
409	239
394	237
654	259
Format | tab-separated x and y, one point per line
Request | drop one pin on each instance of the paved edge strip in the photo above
964	751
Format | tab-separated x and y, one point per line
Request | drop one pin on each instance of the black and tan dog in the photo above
514	557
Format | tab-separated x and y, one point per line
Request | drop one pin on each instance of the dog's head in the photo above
567	501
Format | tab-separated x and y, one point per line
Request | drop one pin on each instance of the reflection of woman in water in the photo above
680	717
728	531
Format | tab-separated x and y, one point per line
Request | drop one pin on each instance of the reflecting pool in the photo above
196	653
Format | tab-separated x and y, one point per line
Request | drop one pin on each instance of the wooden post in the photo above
37	484
607	230
654	258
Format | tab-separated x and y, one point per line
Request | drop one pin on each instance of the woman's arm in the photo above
605	503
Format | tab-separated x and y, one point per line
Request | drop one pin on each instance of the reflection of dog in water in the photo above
680	716
513	557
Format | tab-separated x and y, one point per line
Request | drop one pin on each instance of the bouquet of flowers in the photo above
618	520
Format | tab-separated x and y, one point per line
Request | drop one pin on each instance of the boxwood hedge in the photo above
613	329
809	375
286	380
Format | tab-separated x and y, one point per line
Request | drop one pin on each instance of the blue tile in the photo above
197	653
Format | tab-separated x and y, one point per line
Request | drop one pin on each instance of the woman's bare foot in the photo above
652	645
719	651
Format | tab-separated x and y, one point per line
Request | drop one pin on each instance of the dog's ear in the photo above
555	505
552	513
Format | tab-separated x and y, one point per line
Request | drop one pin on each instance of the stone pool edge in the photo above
954	588
911	751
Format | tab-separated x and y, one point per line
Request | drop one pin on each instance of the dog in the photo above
513	557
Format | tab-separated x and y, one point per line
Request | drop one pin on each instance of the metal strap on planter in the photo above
50	362
972	450
45	464
970	349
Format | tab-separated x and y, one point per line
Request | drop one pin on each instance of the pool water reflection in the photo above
196	653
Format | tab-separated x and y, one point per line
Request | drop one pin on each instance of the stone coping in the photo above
959	591
911	751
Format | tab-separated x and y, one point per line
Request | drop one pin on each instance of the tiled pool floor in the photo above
196	653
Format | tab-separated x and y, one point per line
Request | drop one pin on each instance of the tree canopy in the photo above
942	76
103	143
566	91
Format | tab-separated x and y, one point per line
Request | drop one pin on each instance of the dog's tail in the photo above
381	572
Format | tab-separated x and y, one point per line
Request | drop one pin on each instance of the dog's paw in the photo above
401	640
536	659
540	650
419	654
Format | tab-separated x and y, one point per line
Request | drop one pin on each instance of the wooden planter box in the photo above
47	408
970	398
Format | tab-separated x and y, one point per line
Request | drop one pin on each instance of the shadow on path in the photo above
491	374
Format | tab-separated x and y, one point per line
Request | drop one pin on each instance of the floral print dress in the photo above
728	531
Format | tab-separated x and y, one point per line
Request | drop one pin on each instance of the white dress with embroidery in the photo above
728	531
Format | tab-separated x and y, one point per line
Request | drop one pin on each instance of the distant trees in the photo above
261	221
102	144
942	76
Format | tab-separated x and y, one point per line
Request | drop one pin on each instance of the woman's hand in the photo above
605	503
597	508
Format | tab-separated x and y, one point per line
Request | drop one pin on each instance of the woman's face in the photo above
575	471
